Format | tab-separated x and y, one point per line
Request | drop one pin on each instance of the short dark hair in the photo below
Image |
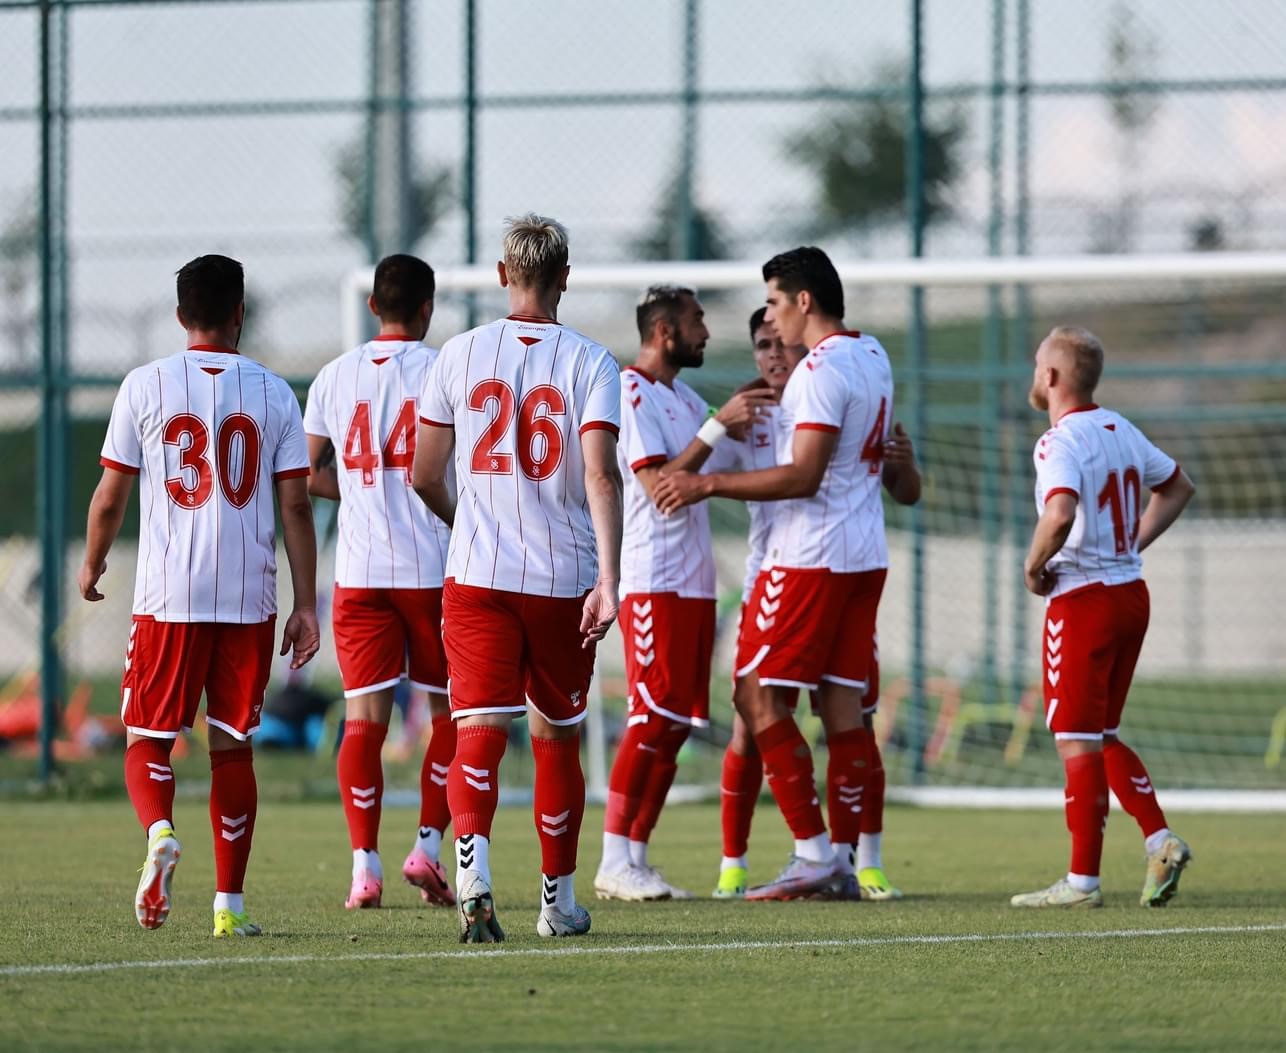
660	303
210	289
403	284
757	321
808	267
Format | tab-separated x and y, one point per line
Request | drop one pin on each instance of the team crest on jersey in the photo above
762	440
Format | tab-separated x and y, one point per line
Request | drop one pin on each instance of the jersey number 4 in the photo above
1121	495
873	448
238	434
539	443
397	453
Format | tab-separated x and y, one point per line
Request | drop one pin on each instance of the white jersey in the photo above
207	432
845	385
661	554
756	452
1104	461
520	393
366	403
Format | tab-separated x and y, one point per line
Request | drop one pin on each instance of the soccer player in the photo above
1091	468
811	616
532	409
667	580
211	435
389	564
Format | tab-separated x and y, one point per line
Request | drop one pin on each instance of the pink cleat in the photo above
430	877
365	893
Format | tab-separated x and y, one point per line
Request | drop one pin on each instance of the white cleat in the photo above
798	878
477	910
152	900
553	922
631	883
674	890
1059	894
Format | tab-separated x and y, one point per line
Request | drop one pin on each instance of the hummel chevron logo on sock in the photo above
363	798
160	772
229	824
548	890
464	847
478	778
549	824
438	773
851	797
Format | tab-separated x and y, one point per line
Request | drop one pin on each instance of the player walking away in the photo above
668	580
210	434
532	408
854	810
1091	468
811	616
389	564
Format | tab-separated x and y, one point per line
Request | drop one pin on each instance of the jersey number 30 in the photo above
237	434
539	444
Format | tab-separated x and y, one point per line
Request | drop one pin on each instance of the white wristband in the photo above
712	432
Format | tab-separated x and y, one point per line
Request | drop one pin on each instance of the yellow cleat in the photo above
732	884
1059	894
875	885
1164	867
227	924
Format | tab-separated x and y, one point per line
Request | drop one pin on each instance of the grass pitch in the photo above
951	966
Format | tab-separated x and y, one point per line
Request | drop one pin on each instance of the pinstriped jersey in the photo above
366	403
845	386
207	432
1103	460
520	393
756	452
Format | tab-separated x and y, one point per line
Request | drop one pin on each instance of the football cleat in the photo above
798	878
842	888
152	900
636	884
1059	894
365	892
477	910
228	924
1164	867
430	877
875	885
553	922
674	890
732	883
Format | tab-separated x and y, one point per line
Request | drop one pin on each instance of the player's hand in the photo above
602	606
87	579
898	450
303	634
741	410
1039	580
676	489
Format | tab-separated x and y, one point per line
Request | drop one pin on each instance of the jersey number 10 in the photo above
1123	500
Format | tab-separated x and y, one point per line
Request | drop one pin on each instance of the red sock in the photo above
473	784
361	781
433	775
631	770
873	797
788	763
1133	787
234	799
743	778
1086	809
659	780
559	803
149	780
846	783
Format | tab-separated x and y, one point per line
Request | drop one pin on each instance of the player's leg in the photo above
741	780
164	669
240	661
870	861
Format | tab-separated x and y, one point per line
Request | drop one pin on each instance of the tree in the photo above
18	257
663	240
857	154
1131	58
431	195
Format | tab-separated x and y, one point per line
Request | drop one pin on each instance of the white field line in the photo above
70	969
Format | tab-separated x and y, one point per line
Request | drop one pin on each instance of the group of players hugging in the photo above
503	499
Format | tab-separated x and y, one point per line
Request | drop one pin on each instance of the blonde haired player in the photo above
389	563
211	436
532	410
1092	466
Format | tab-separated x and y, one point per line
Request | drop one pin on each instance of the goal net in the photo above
1195	357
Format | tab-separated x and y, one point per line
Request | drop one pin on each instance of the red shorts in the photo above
383	635
169	664
792	700
806	626
1092	641
669	641
504	647
871	700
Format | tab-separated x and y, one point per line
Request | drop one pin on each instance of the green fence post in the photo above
686	216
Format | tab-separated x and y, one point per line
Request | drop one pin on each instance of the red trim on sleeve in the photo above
600	425
116	466
436	423
292	473
1178	470
816	427
1062	490
649	462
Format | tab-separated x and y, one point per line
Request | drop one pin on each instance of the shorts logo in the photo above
575	697
770	602
1053	644
129	650
644	637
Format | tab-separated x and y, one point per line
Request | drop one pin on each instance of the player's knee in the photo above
661	733
221	740
742	741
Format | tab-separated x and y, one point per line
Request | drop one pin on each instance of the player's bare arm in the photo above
106	513
301	633
1051	534
433	447
811	448
323	480
900	474
1164	507
604	491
